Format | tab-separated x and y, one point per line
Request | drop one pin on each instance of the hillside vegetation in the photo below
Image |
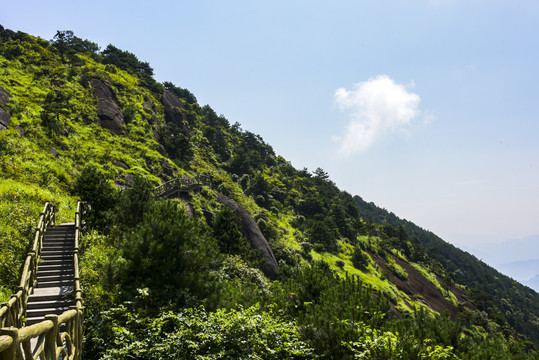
264	261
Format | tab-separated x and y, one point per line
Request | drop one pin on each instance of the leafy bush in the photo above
93	187
360	260
194	333
167	253
396	269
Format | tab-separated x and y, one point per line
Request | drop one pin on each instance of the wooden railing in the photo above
180	184
13	311
58	336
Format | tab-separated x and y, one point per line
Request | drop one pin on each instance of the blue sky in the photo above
425	107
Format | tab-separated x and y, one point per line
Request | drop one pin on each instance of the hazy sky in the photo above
428	108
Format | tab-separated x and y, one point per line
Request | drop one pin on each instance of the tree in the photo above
320	173
134	202
68	44
176	143
360	260
125	60
180	92
320	232
93	187
167	254
56	104
227	232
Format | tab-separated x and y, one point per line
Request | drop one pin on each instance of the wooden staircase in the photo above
44	318
55	275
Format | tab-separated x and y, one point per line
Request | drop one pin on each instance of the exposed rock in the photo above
21	130
54	152
172	105
208	215
190	210
417	285
4	119
4	96
129	179
57	83
167	169
109	114
4	114
252	233
121	164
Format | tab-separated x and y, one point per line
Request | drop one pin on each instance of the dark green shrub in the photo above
93	187
360	260
168	254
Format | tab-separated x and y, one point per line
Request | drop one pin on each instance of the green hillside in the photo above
259	260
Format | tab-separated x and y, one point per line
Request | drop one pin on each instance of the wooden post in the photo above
11	353
50	338
4	310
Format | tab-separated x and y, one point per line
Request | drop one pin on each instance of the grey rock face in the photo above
109	114
172	105
252	233
5	116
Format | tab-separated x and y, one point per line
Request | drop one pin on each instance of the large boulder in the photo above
4	114
172	106
252	233
109	114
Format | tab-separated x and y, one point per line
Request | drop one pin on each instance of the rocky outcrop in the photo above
4	114
109	114
172	106
252	233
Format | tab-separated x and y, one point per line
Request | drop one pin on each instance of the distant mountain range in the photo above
518	258
533	283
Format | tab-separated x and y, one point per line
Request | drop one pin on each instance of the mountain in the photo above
242	255
522	271
533	282
510	251
516	258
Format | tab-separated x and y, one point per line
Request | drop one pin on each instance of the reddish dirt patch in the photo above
423	289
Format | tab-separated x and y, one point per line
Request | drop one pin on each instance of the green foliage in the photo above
152	255
128	61
20	206
133	203
180	92
194	333
176	143
395	268
167	254
461	267
360	260
227	231
251	154
69	45
320	232
93	187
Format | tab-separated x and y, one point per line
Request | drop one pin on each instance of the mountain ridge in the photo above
114	127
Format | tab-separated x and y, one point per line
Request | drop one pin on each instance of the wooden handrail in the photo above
184	183
56	337
12	312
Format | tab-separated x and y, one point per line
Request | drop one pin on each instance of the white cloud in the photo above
376	108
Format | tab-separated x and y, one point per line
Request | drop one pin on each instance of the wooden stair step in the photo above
44	294
54	303
41	312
